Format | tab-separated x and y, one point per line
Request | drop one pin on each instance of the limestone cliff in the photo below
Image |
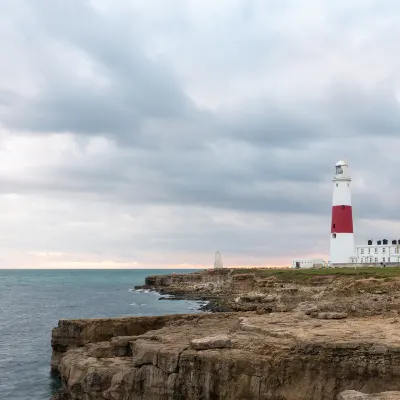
230	356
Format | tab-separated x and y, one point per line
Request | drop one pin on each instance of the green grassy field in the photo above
305	274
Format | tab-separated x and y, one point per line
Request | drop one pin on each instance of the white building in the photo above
307	263
382	251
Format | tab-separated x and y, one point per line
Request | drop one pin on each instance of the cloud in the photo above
157	133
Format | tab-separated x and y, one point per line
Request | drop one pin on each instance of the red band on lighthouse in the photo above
342	219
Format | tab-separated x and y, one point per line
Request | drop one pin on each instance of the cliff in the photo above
293	335
287	356
70	334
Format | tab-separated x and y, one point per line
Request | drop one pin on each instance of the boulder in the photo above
211	342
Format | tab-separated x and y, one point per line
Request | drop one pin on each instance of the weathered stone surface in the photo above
228	290
331	315
211	342
354	395
269	357
293	340
70	334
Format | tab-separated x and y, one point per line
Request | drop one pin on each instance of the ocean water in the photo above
32	302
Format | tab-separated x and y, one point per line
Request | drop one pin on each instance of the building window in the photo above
334	235
362	260
394	250
383	250
362	251
369	251
376	259
337	185
383	259
376	249
388	259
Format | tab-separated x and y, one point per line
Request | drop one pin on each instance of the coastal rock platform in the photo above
230	356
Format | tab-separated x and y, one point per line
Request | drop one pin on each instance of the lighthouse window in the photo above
334	235
343	207
333	226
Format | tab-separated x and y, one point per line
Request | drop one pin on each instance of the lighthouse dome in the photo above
341	164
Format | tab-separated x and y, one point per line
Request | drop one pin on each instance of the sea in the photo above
32	302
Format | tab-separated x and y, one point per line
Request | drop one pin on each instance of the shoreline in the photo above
207	303
292	335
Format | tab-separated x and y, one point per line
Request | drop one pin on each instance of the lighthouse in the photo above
342	234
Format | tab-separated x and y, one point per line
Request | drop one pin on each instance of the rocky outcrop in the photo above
229	356
211	275
264	291
70	334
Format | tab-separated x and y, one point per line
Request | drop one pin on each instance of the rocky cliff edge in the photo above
230	356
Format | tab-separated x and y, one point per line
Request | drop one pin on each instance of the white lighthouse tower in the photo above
342	234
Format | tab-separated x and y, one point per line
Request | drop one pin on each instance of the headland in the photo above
289	335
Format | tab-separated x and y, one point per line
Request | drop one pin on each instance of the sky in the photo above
149	134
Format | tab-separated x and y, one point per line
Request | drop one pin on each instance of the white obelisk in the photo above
218	261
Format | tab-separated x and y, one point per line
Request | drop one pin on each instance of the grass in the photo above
305	274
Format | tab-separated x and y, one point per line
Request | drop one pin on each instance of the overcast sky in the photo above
153	133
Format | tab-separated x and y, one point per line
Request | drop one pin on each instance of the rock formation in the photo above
291	337
227	356
265	291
